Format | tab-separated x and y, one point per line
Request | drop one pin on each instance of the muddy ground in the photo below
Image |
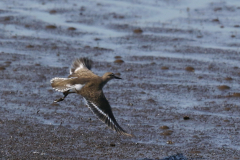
180	68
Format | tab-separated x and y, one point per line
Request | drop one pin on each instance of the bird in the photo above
90	86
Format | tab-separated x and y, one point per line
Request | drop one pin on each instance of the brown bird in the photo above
84	82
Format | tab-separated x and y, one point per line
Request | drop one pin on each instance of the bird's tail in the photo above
62	84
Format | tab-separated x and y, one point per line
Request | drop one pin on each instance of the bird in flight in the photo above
84	82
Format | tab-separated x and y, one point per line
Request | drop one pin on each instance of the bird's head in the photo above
108	76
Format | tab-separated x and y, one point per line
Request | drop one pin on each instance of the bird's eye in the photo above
112	75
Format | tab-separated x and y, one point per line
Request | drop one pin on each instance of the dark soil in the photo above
180	67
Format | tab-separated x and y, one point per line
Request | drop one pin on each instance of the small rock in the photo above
186	118
223	87
164	127
119	61
169	142
71	28
112	144
228	78
29	46
130	104
51	27
2	68
117	57
164	68
189	68
138	31
52	11
236	95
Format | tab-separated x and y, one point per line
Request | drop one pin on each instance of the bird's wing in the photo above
81	63
101	108
81	68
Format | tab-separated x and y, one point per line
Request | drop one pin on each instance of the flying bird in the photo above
84	82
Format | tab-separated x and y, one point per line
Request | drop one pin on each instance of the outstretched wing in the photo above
81	68
101	108
81	63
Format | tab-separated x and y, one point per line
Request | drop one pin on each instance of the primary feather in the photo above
80	64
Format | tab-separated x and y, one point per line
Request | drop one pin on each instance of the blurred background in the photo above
179	60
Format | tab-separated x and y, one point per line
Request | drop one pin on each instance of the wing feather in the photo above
81	63
106	116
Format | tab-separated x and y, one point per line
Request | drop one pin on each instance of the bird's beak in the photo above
117	77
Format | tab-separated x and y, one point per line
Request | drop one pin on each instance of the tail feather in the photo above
61	84
81	63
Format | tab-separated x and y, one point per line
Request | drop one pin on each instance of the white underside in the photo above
78	87
75	88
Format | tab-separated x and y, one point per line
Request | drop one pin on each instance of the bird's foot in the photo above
58	100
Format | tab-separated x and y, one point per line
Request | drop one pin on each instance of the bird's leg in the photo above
61	99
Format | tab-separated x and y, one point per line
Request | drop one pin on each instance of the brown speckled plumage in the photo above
84	82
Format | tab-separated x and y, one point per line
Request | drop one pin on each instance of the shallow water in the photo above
157	89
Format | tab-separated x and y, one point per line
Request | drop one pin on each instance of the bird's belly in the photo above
76	88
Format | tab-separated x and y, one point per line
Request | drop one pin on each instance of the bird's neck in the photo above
104	82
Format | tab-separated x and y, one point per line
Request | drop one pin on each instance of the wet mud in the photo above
179	61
